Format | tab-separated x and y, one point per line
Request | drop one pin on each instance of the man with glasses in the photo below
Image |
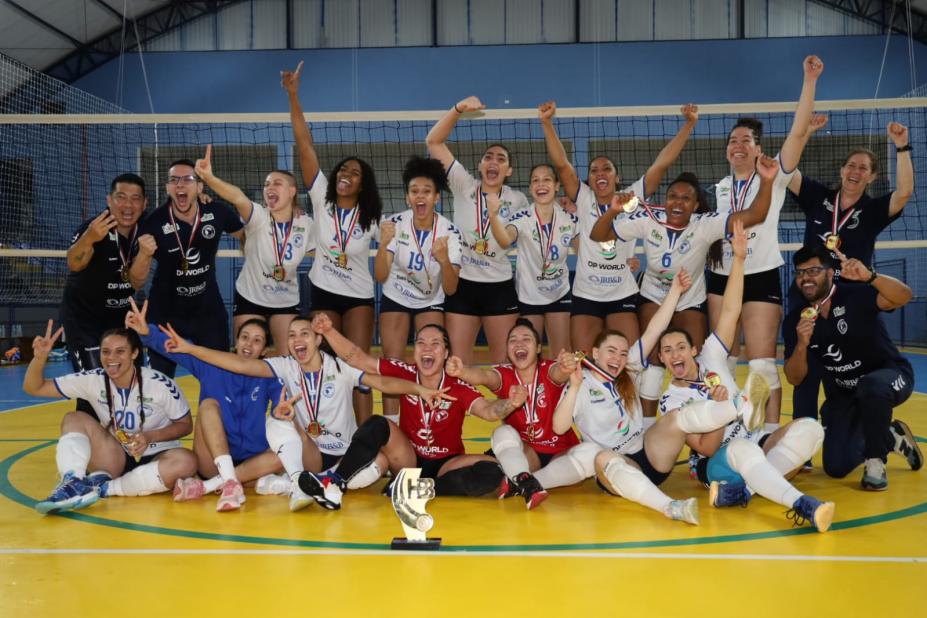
97	291
865	375
183	237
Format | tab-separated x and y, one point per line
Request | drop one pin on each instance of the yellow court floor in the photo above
582	553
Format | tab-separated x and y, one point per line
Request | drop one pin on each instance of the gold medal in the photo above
832	242
279	273
712	379
578	356
809	313
480	246
342	260
124	274
631	205
314	429
123	437
184	265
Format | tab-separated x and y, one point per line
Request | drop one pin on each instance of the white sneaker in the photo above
298	498
751	401
273	485
683	510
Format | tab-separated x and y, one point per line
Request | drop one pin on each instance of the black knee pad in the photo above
373	433
476	480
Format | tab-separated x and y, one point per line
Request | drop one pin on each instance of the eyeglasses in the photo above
177	180
814	271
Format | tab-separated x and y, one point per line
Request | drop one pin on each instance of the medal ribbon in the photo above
312	397
420	241
194	227
835	226
649	209
598	370
530	406
738	198
482	224
427	416
545	245
280	249
124	257
125	404
833	288
337	215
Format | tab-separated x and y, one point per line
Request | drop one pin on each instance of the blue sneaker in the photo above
806	509
100	480
728	494
72	493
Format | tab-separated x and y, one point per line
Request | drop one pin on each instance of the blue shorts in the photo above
720	470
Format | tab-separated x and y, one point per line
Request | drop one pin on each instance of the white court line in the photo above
468	554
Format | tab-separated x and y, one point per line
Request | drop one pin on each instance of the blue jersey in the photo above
243	400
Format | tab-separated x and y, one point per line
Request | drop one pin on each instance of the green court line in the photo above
10	492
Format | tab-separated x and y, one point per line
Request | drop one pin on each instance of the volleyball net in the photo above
56	168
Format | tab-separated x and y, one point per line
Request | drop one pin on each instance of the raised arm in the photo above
504	234
904	169
227	191
475	376
35	383
664	315
732	301
566	407
176	344
767	168
672	149
308	160
397	386
383	261
892	292
498	409
344	348
436	141
141	265
555	151
80	252
817	121
790	154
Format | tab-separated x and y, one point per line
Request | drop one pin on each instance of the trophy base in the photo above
402	543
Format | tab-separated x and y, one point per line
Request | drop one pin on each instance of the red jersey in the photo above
534	421
434	433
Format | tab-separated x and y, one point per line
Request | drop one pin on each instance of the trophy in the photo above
410	493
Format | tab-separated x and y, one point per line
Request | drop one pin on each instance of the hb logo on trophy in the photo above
410	493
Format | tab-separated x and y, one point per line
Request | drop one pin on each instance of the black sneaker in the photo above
322	489
906	445
530	489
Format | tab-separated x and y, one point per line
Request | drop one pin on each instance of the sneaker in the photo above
874	477
298	498
530	489
693	464
188	489
232	496
322	488
683	510
728	494
388	488
906	445
273	485
507	488
807	467
335	478
806	509
751	402
100	480
72	493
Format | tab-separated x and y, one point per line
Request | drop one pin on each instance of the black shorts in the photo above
764	287
640	458
702	307
482	299
323	300
562	305
602	308
130	463
243	306
431	467
388	305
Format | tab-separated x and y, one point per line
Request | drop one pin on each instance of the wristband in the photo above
906	148
460	112
872	277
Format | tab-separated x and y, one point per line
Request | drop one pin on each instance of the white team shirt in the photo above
600	415
602	271
256	281
533	284
336	409
163	402
354	279
495	265
415	277
667	251
763	240
712	358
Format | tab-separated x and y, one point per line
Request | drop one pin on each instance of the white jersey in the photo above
667	251
712	358
163	402
354	278
494	265
539	281
414	279
602	271
602	418
335	411
763	239
256	281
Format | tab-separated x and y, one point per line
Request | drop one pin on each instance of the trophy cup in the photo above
410	493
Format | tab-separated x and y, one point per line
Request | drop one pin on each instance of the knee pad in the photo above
627	479
373	433
732	365
766	367
652	382
582	456
476	480
803	437
366	476
279	432
743	454
505	437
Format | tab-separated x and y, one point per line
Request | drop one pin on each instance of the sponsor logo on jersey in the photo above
839	311
834	353
208	231
208	217
842	326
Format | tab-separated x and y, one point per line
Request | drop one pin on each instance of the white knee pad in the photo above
743	455
732	365
630	482
582	456
366	476
505	437
652	382
767	368
279	432
803	439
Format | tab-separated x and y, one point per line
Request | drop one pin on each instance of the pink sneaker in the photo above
232	497
188	489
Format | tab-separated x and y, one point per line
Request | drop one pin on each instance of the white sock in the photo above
73	454
747	459
366	476
211	485
634	485
142	481
507	446
284	441
226	467
705	415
